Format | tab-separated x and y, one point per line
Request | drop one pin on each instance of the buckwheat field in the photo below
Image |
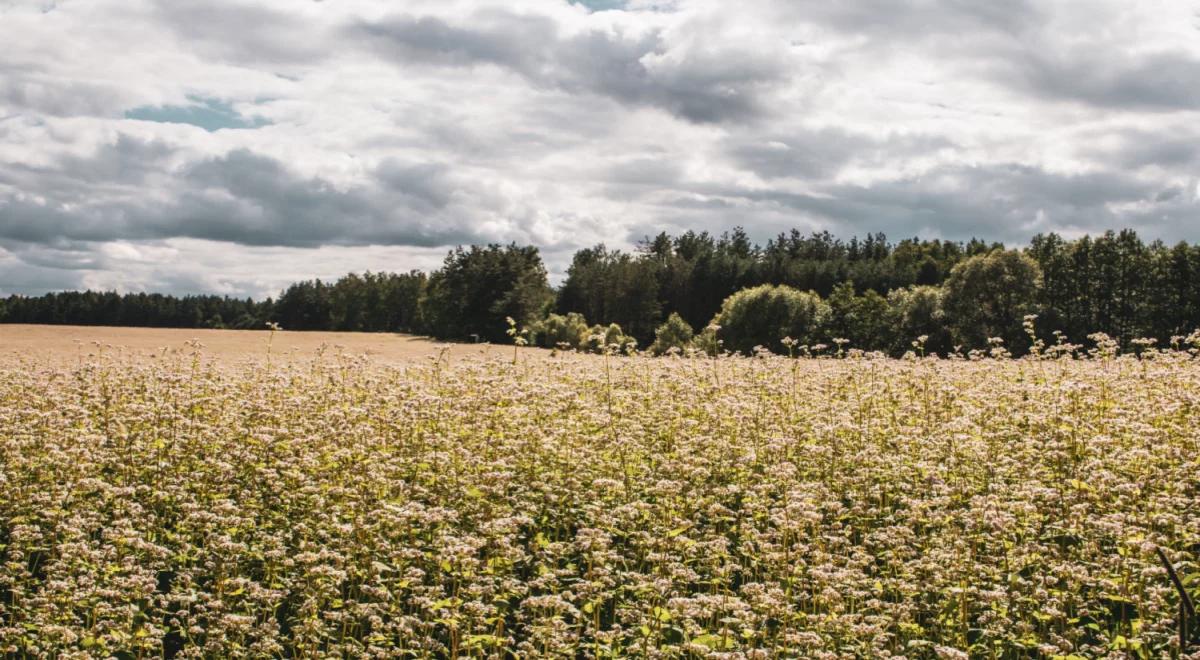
599	506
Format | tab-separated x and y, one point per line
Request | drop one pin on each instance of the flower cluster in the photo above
598	506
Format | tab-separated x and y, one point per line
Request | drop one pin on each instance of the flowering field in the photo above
587	506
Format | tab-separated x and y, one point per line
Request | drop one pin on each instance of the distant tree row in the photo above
881	296
875	294
153	310
469	298
692	274
372	302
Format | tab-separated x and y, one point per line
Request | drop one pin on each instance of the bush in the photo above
764	315
707	341
557	330
674	333
616	339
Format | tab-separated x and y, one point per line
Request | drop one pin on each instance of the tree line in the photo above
723	292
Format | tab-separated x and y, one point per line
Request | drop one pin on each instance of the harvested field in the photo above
65	344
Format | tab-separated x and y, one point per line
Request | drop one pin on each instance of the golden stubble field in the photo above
66	345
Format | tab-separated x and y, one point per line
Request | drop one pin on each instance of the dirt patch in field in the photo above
61	344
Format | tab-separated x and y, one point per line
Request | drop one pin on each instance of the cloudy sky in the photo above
234	146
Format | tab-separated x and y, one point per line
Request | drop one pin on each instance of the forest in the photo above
811	290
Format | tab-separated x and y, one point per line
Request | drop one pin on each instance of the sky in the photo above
233	147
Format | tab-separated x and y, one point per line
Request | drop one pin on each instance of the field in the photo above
341	505
68	345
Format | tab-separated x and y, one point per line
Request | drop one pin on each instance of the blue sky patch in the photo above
207	113
600	5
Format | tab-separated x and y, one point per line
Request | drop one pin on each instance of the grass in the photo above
597	507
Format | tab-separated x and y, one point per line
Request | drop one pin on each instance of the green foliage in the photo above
675	333
863	320
558	331
1112	283
571	332
615	339
989	294
708	341
477	289
916	315
693	273
371	302
136	309
613	287
765	315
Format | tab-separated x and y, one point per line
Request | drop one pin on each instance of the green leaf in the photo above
714	642
472	641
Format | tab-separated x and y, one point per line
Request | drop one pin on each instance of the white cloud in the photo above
393	131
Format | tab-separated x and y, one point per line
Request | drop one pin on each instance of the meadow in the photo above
507	503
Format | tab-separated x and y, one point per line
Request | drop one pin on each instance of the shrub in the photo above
557	330
674	333
764	315
707	341
616	338
599	338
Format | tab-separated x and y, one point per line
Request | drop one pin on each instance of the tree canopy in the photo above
478	288
876	294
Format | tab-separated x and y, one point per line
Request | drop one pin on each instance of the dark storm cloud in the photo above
241	197
1098	76
803	154
1017	45
1008	202
508	41
904	20
1171	147
243	33
700	86
31	91
821	153
263	203
645	172
999	202
64	255
126	161
19	277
